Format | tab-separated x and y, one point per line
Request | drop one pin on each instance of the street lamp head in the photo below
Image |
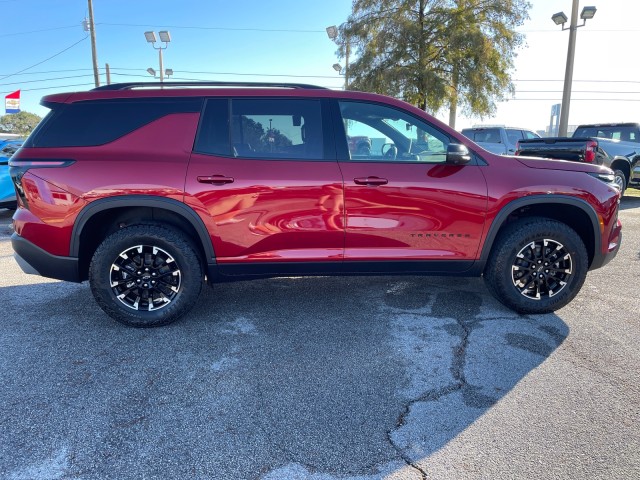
150	36
588	13
332	32
559	18
164	36
151	71
337	67
168	72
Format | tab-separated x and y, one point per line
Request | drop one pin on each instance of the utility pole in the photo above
108	71
346	64
94	54
568	74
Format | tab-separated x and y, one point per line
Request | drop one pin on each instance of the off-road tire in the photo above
159	242
503	265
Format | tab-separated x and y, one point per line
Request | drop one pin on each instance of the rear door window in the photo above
277	128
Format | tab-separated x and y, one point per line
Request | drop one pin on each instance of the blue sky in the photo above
239	37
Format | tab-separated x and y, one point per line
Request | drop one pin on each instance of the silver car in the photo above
500	140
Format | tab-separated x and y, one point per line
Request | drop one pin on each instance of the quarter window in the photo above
91	123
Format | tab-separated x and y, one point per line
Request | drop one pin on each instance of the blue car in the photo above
7	192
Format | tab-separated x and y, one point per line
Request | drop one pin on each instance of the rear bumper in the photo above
36	261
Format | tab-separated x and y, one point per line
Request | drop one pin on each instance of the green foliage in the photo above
20	123
434	53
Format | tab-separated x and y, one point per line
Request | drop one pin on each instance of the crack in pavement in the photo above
465	323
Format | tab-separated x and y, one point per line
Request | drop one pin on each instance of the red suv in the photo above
146	191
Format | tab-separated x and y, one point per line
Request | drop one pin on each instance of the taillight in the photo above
590	152
517	148
19	166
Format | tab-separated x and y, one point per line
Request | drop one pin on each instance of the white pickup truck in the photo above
500	140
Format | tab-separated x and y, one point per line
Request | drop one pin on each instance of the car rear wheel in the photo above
146	275
537	265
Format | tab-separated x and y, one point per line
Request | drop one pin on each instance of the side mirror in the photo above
458	154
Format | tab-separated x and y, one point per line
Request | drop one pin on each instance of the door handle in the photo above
370	181
215	179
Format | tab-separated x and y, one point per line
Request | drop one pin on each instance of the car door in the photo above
264	178
406	209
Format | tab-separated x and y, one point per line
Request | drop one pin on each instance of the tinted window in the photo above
486	135
277	128
530	135
380	133
213	135
513	136
91	123
627	133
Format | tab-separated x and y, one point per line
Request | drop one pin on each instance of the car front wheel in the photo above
146	275
537	265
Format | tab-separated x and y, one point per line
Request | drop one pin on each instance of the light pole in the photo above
167	72
338	68
560	19
332	33
164	38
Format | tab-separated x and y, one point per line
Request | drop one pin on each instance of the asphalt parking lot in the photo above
323	379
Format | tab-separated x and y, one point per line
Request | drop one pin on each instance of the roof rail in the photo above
132	85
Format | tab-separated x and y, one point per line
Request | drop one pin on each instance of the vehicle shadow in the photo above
342	376
629	202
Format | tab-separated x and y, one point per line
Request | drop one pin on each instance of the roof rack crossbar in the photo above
132	85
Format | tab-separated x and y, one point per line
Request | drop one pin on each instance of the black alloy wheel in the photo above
542	269
145	277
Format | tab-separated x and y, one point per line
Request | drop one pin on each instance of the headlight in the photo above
607	178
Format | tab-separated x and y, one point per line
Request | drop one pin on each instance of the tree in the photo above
21	123
433	53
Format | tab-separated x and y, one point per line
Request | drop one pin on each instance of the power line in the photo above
573	99
45	80
194	27
52	88
56	71
258	74
632	30
575	91
46	59
37	31
580	81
